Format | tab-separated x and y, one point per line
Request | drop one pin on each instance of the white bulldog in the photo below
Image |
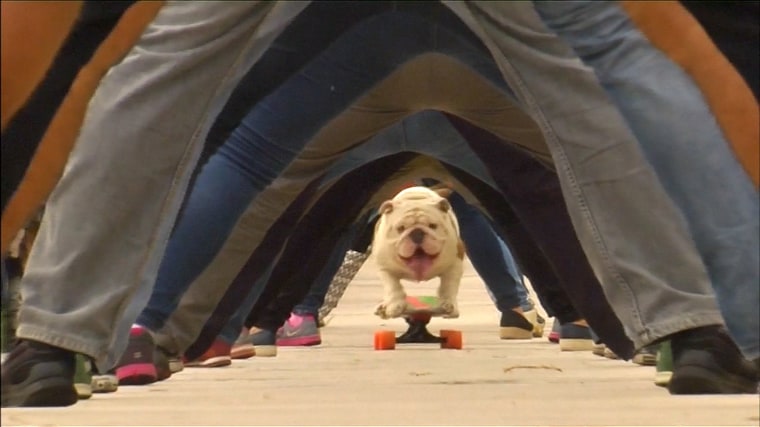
417	238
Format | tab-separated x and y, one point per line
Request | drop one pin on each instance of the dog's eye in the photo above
433	226
400	228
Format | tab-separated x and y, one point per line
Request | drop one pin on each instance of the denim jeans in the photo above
430	133
647	264
490	256
257	135
106	223
597	157
685	146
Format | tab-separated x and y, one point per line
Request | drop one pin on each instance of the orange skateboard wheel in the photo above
451	339
385	340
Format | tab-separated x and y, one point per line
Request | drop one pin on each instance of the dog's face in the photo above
418	228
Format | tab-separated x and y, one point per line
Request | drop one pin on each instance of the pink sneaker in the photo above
136	366
299	331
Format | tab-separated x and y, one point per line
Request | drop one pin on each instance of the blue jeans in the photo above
686	147
258	151
491	257
605	178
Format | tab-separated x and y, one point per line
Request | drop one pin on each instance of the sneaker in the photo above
136	366
167	363
599	349
104	383
539	324
554	334
647	356
216	356
575	338
610	354
707	361
515	326
243	348
264	341
161	362
37	374
83	377
664	364
299	330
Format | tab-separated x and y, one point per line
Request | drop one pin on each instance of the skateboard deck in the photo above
423	305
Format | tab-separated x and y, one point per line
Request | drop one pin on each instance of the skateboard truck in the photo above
418	332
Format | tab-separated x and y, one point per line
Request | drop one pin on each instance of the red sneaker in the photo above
216	356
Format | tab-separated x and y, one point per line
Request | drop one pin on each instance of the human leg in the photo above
126	280
690	156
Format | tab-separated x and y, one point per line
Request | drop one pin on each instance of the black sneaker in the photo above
161	361
514	326
707	361
37	374
574	337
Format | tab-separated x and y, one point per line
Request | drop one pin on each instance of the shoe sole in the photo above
212	362
598	350
662	378
514	333
137	374
299	341
104	383
84	391
645	359
699	380
48	392
243	352
538	330
574	344
266	350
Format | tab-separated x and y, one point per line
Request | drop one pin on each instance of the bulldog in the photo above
417	238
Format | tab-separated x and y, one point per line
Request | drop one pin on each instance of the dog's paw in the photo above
450	309
391	309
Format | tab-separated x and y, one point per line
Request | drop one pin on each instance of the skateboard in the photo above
420	309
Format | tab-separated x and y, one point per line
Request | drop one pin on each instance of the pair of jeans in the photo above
685	146
613	164
264	113
254	135
429	132
657	286
490	257
106	223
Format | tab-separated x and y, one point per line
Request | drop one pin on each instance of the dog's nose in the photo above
417	236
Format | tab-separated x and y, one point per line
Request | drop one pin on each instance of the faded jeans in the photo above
685	146
107	222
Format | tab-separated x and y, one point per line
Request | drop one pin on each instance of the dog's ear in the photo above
386	207
444	205
443	191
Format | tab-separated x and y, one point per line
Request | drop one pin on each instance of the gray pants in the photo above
108	220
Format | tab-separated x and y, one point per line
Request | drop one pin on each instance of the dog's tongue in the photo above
420	264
